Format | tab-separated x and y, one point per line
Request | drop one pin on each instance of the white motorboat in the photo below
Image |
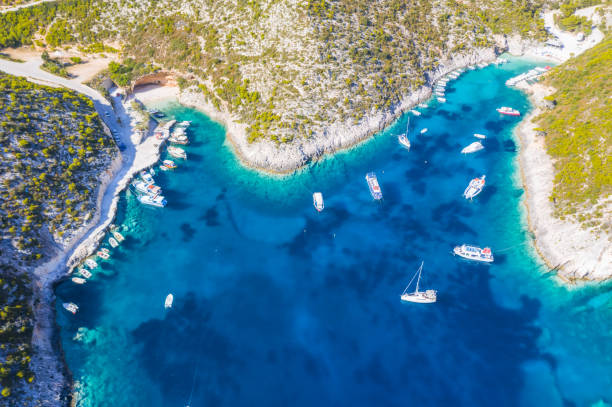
423	105
118	235
441	100
317	201
423	131
91	263
169	164
146	177
480	136
78	280
423	297
85	273
508	111
474	188
103	255
179	139
169	301
177	152
472	148
440	93
158	201
415	112
474	253
144	188
373	185
71	307
113	242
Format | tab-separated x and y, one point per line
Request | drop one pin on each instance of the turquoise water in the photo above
276	304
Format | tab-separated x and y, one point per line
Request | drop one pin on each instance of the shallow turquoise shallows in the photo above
278	305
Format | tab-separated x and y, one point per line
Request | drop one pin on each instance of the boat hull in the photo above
417	298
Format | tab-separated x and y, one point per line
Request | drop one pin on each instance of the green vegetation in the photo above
123	74
579	135
53	65
568	21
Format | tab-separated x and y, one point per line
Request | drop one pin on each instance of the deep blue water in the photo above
276	304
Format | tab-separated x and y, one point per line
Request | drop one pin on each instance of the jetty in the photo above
528	77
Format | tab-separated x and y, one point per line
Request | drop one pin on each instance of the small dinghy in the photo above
169	300
472	148
71	307
424	130
317	201
78	280
423	297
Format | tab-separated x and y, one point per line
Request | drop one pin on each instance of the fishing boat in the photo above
169	164
177	152
441	100
91	263
403	138
85	273
474	188
472	148
317	201
113	242
103	255
480	136
423	131
78	280
157	201
169	300
71	307
474	253
415	112
508	111
149	189
146	177
423	297
373	185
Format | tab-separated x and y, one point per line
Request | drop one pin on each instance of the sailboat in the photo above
423	297
403	138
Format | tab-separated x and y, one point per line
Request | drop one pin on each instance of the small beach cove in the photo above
277	304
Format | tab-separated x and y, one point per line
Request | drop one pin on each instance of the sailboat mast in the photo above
419	279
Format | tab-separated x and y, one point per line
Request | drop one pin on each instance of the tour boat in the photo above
103	255
146	177
317	201
403	138
113	242
150	189
169	300
177	152
474	188
158	200
85	273
373	185
78	280
441	100
472	148
91	263
71	307
415	112
118	236
508	111
423	297
423	131
169	164
480	136
474	253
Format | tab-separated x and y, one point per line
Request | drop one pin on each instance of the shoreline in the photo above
575	253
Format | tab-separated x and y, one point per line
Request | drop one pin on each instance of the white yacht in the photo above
169	301
415	112
423	105
317	201
71	307
480	136
474	253
474	188
144	188
118	235
177	152
158	200
423	297
103	254
113	242
472	148
91	263
85	273
78	280
373	185
441	100
179	139
146	177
